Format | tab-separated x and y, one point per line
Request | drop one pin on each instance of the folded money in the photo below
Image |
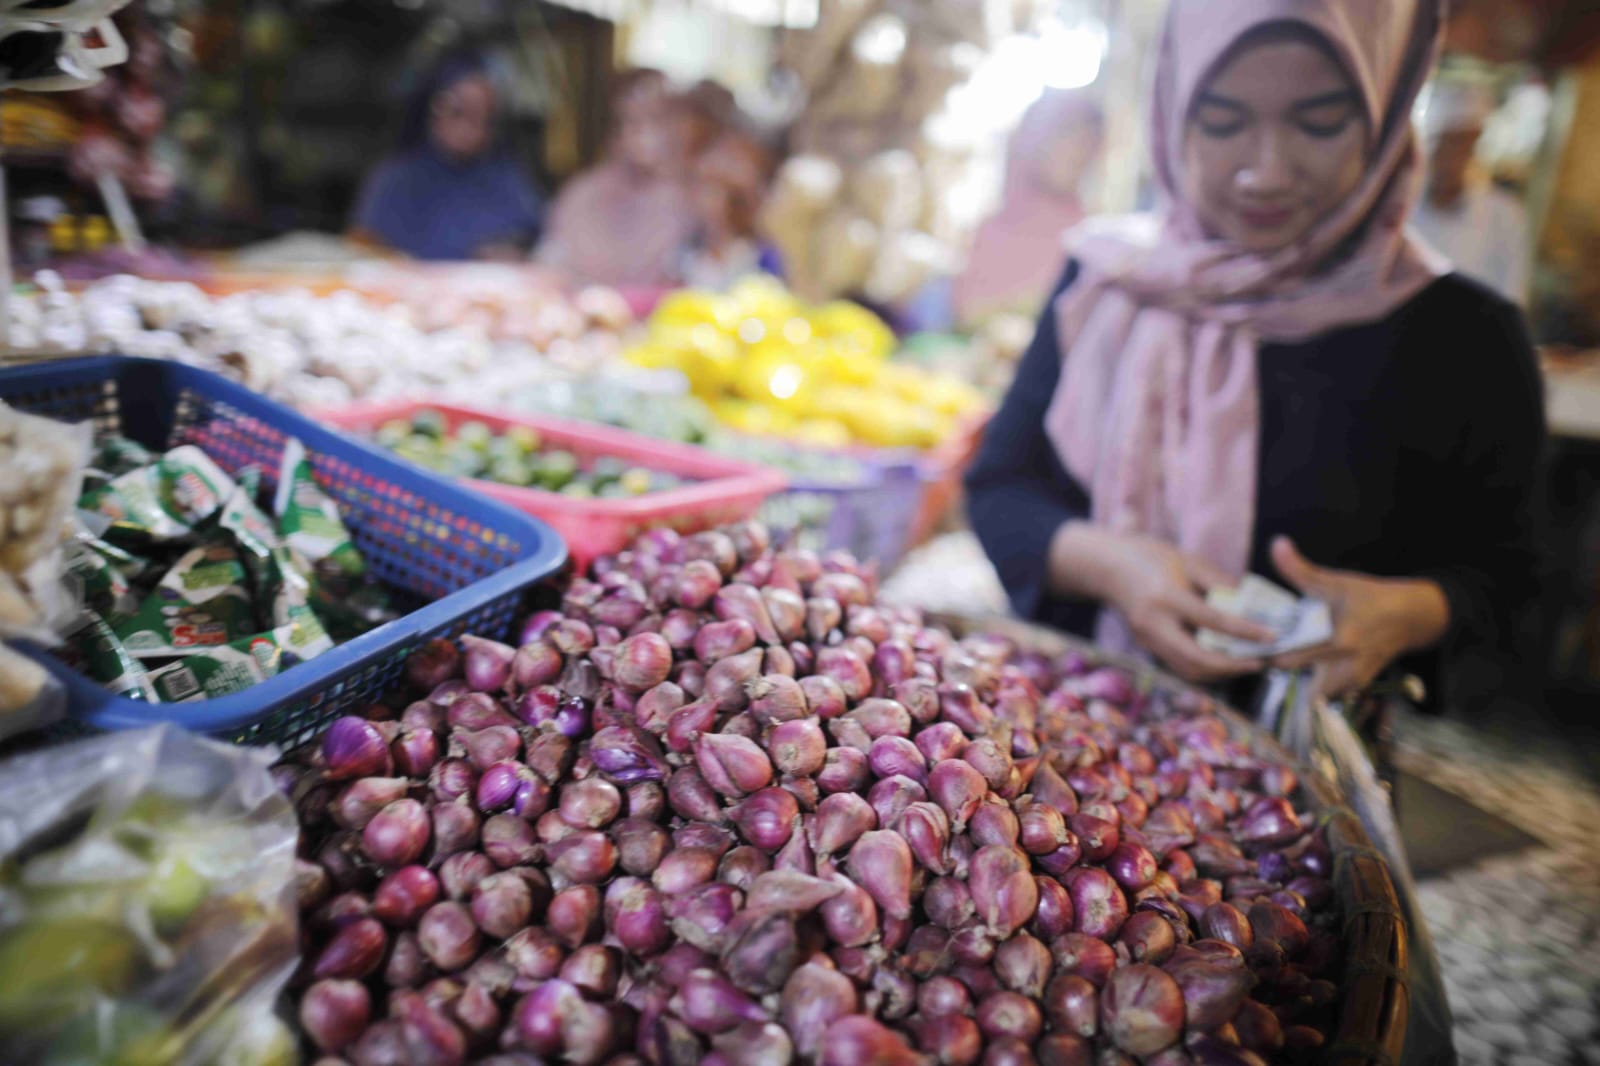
1298	622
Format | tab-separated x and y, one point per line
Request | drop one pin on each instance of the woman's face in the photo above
1276	140
461	121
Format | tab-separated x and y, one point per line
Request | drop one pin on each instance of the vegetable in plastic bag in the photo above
146	901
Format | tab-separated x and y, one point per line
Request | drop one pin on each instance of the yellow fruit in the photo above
691	307
774	380
838	364
752	417
764	297
853	327
823	432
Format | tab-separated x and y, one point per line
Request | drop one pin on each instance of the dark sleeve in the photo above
529	205
1489	537
378	209
1019	494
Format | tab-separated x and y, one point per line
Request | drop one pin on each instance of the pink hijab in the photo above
1017	253
1158	408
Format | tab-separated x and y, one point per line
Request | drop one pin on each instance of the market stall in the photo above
774	821
434	662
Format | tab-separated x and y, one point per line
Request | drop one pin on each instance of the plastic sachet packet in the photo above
203	602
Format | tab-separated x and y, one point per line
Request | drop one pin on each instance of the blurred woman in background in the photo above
627	220
452	190
730	184
1018	252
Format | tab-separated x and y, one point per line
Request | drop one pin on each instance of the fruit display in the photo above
518	456
767	364
723	806
687	420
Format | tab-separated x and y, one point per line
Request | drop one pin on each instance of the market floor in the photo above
1518	928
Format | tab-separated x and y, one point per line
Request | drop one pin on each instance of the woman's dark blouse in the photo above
1408	447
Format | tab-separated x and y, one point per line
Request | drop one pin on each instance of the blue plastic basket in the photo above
467	561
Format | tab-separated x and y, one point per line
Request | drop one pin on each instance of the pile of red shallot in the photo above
724	808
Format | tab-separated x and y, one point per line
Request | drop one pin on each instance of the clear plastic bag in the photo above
29	697
41	474
146	902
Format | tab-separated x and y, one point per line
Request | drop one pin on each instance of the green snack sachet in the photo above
193	486
202	602
251	530
223	671
102	587
133	503
308	519
107	661
165	500
288	605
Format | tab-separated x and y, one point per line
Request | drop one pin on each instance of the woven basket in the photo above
1370	1023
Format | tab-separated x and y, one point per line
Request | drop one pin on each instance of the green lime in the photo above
475	435
557	469
392	432
636	482
525	437
173	891
578	490
429	424
511	471
607	469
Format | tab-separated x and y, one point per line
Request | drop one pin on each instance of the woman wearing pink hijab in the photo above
1269	375
1016	256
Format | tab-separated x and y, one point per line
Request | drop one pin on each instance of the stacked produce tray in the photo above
722	490
869	516
461	562
1375	999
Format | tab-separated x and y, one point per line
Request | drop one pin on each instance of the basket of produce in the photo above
780	822
766	363
203	610
859	500
596	486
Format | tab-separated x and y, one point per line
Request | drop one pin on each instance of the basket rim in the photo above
721	479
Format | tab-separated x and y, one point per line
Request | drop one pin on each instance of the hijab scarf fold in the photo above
1158	409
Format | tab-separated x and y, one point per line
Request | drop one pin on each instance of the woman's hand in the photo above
1160	591
1375	621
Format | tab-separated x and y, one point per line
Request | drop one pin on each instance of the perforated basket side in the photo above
454	560
297	723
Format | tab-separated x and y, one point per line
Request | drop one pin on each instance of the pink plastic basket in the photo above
724	490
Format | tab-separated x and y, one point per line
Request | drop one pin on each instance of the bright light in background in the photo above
1071	55
1017	72
979	115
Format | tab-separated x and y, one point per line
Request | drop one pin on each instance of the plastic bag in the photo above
29	697
1321	736
147	908
41	469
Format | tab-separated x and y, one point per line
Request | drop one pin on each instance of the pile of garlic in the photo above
308	351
